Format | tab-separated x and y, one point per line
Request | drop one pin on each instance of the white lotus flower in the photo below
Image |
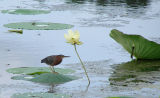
73	37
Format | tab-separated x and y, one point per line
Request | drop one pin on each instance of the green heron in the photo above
53	60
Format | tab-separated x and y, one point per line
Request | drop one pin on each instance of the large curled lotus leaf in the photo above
143	48
37	70
25	11
38	26
51	78
39	95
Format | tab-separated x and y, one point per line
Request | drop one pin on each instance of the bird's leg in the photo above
53	68
53	71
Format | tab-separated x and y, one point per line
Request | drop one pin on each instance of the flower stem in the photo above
82	64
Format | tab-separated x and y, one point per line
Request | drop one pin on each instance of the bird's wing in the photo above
54	58
50	60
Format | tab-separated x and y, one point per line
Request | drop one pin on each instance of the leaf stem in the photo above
82	64
132	52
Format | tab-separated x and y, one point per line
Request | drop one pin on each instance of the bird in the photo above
53	60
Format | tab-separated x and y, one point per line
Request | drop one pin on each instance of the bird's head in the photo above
63	56
43	60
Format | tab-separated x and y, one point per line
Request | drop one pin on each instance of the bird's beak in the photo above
66	56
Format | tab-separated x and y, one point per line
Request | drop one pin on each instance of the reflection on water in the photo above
107	13
131	3
40	0
100	13
135	72
137	3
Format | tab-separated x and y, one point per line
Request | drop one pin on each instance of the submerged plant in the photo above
73	38
17	31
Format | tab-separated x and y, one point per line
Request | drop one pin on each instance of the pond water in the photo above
94	19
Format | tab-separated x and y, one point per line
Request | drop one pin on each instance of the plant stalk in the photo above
132	52
82	64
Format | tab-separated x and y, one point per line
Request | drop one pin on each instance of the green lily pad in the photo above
39	95
143	48
25	11
50	78
37	70
38	26
22	77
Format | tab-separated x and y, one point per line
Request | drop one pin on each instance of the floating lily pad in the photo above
25	11
22	77
50	78
143	48
38	26
37	70
39	95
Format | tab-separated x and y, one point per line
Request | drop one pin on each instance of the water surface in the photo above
94	19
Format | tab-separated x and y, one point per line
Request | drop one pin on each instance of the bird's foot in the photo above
55	72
